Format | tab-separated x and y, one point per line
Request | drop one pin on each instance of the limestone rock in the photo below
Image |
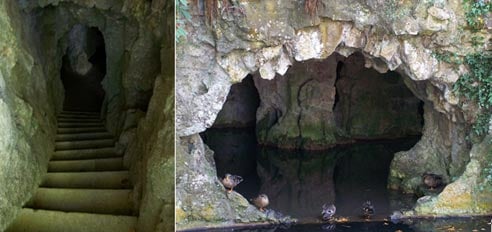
470	193
391	35
201	198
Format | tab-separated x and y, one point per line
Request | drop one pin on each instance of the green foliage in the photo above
182	16
487	174
476	85
448	57
475	12
477	41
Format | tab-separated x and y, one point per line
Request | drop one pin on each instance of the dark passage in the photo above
83	91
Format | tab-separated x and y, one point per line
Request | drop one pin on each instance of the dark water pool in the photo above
421	225
298	183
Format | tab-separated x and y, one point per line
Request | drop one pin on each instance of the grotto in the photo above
317	102
87	115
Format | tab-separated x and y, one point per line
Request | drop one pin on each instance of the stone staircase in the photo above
86	189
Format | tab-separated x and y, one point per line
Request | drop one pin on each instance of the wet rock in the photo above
459	198
201	198
396	216
434	152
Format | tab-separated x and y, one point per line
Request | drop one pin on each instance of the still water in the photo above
298	183
481	224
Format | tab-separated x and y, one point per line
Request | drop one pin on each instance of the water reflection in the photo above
416	225
298	183
235	152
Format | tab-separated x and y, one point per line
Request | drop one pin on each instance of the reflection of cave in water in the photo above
361	174
411	225
298	183
235	152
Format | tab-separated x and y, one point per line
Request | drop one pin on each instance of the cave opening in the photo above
233	137
325	132
83	69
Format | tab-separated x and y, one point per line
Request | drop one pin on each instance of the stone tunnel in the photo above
84	85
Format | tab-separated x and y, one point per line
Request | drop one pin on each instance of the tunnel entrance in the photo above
326	132
83	69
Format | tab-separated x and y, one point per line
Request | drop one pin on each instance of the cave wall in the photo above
239	110
296	110
77	50
316	106
150	153
372	105
267	36
29	101
132	35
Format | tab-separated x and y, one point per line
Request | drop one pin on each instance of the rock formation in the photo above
270	38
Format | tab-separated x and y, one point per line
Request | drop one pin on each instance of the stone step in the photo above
108	152
68	112
69	120
80	130
72	145
109	164
85	117
30	220
79	124
83	136
104	201
92	180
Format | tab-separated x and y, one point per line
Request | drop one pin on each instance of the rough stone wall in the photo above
131	32
201	200
266	36
372	105
314	106
77	50
470	193
296	110
139	35
150	152
29	100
